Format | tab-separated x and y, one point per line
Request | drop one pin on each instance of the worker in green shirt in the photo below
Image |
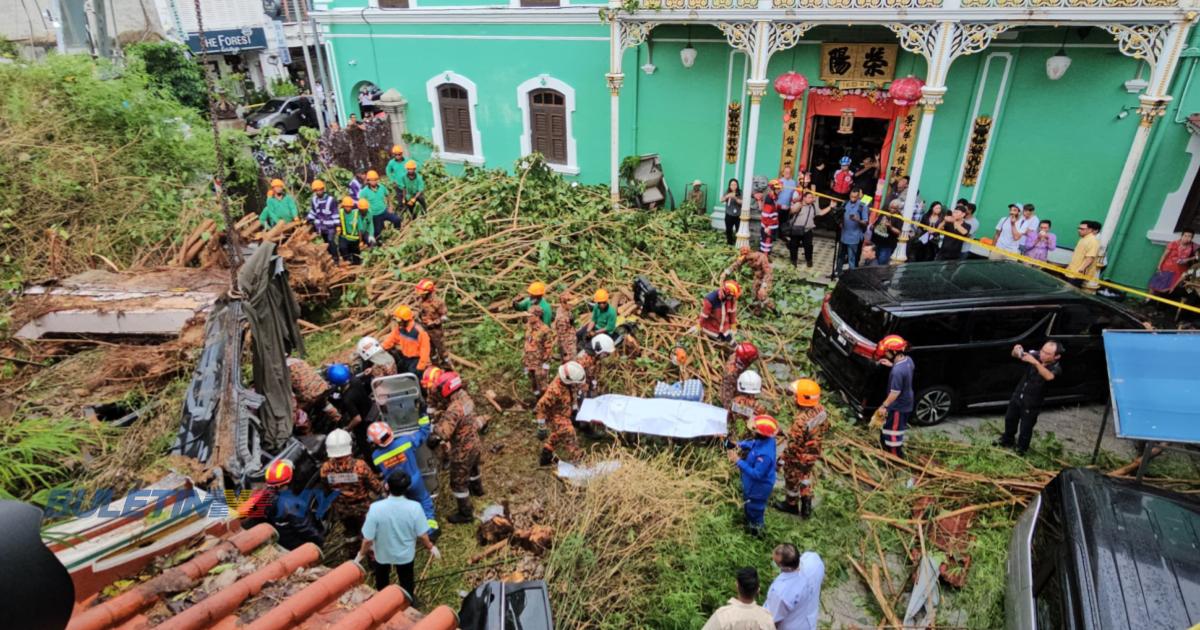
414	188
281	208
376	194
604	318
395	167
536	299
354	223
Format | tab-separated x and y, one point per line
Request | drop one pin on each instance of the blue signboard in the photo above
230	40
1153	380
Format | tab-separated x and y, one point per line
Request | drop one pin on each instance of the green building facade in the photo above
1108	140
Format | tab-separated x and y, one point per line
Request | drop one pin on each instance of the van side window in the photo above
938	329
1087	319
1005	325
1048	602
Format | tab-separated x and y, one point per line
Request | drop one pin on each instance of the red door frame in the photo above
828	105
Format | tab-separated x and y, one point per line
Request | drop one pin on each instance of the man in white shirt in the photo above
794	599
1008	233
1028	226
391	531
742	612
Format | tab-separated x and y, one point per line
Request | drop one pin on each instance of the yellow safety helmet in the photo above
403	313
601	295
372	175
537	289
397	149
363	204
410	165
318	185
347	201
276	183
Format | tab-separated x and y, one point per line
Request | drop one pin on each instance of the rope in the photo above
1018	257
232	242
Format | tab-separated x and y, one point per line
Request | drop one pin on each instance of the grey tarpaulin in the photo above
272	310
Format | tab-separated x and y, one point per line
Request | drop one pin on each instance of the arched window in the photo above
548	125
547	105
453	99
455	108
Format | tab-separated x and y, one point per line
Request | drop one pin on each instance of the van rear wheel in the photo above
933	406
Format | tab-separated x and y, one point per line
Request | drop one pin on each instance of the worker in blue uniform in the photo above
399	453
757	467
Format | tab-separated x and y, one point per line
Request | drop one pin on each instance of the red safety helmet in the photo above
426	286
731	289
430	377
766	425
745	352
280	473
890	343
449	383
380	433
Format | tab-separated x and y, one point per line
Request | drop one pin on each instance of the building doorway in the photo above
828	145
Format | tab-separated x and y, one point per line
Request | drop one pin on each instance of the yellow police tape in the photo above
1025	259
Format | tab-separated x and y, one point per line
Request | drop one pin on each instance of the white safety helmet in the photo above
338	443
749	382
368	347
603	344
571	373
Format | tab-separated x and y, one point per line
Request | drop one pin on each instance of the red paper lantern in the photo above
906	91
790	86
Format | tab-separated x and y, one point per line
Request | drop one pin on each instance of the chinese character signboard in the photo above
733	130
230	40
905	138
979	139
791	137
858	65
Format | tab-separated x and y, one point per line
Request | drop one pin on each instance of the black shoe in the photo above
1002	443
464	513
786	507
805	507
546	458
1020	451
476	487
757	531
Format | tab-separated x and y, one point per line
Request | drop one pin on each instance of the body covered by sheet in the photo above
654	416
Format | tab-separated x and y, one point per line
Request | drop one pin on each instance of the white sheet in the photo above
654	416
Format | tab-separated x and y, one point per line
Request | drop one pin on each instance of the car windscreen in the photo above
272	106
865	320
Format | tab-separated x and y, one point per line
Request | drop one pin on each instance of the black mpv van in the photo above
961	320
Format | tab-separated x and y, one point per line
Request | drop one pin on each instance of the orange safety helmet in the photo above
280	473
426	286
731	288
448	383
363	204
380	433
372	175
403	313
766	426
318	185
397	150
430	377
277	183
537	289
808	392
890	343
410	165
347	201
601	295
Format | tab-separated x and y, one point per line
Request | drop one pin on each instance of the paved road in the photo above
1075	425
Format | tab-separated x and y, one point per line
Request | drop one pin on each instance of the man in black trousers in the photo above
1026	401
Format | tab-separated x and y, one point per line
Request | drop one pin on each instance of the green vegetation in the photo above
169	68
37	454
109	166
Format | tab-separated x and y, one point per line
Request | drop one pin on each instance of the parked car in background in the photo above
287	114
961	320
1092	551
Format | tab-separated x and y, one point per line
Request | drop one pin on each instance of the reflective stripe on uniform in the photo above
793	493
379	459
432	523
422	421
460	495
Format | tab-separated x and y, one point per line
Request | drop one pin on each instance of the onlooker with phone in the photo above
1042	243
1026	401
952	248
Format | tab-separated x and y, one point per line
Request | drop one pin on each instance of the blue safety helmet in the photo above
845	161
338	374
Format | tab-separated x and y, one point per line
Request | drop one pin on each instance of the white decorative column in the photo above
621	35
940	44
395	106
759	40
1159	45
